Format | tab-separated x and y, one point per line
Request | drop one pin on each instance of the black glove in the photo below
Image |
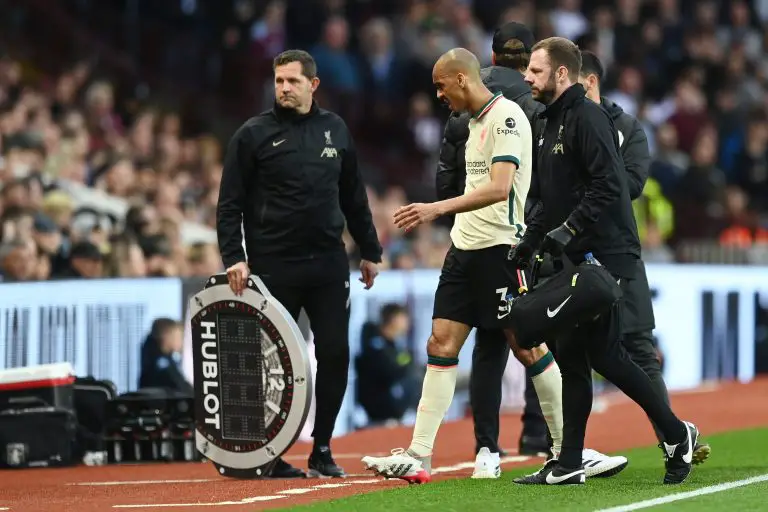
556	240
521	254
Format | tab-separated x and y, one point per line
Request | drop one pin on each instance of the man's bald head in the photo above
456	76
458	60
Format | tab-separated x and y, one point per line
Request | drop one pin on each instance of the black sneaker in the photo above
554	474
322	465
284	470
679	457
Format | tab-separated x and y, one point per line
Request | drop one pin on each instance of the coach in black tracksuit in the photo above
584	207
511	51
291	177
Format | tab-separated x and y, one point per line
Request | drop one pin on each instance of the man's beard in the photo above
547	95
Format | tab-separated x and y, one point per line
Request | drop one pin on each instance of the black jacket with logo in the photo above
580	178
293	180
633	144
451	171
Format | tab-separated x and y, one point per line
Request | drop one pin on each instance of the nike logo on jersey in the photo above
277	142
552	313
554	480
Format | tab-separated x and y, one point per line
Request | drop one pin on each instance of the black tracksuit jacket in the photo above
293	180
633	147
580	178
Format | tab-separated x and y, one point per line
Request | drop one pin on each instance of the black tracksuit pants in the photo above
320	286
489	360
638	323
596	344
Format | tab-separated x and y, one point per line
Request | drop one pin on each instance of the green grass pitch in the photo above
735	456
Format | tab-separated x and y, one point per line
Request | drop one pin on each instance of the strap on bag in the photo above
522	283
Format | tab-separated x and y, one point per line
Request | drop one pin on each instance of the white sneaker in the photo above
597	464
487	464
398	465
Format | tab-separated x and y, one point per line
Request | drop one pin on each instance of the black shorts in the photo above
474	285
638	306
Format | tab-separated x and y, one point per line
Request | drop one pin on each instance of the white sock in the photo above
436	397
549	388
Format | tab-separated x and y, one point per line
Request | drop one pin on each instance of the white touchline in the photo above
146	482
687	495
304	490
244	501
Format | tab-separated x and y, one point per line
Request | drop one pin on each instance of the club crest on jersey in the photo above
328	141
483	136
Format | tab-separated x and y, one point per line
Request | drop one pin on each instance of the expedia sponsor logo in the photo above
211	400
476	167
510	124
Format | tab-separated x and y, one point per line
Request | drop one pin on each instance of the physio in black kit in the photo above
638	321
584	207
291	180
637	316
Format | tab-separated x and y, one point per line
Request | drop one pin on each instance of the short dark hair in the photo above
308	65
562	52
390	311
513	55
162	325
591	65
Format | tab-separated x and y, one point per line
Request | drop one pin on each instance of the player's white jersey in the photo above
499	132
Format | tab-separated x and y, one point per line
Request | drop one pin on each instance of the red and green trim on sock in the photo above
442	363
541	365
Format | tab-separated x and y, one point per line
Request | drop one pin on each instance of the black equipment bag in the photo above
151	425
91	397
560	303
38	437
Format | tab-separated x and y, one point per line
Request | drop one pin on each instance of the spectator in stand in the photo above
742	225
17	261
698	200
337	67
751	165
85	262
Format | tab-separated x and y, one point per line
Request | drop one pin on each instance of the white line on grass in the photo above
687	495
303	490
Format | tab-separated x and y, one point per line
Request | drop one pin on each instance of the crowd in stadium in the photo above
694	73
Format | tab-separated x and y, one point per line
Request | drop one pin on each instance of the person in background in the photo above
161	358
159	256
126	259
203	260
85	261
386	386
16	261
